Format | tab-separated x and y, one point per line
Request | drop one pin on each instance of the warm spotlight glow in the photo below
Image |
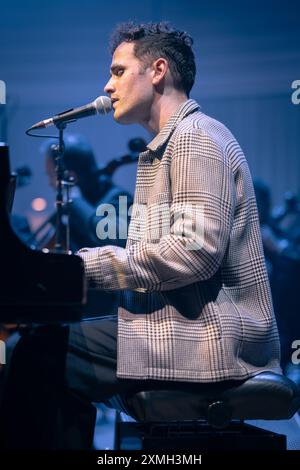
39	204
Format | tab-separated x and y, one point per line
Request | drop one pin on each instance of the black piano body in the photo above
36	287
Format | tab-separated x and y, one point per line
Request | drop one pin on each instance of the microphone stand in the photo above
62	229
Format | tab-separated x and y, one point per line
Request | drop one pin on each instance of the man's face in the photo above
130	87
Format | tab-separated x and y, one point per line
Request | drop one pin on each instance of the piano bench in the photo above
206	416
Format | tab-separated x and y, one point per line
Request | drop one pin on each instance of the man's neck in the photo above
163	108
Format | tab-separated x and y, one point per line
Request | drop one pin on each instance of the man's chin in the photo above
122	118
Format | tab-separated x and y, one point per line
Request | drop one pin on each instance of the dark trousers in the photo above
55	375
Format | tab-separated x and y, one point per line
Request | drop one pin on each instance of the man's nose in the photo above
109	87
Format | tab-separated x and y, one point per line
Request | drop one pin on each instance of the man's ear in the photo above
159	69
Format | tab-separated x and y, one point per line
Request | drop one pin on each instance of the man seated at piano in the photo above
194	300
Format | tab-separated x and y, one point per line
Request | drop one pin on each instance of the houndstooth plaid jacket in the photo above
195	302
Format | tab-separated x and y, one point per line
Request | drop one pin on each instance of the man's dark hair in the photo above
154	40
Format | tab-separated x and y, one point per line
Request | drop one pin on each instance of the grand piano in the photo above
36	287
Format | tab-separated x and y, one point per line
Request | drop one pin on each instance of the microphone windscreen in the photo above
103	104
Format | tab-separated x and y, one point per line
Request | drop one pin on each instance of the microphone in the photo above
101	105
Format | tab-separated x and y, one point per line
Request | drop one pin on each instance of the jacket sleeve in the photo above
201	217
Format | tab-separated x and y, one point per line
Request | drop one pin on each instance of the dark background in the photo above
54	55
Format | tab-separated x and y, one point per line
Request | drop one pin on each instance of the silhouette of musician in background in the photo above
287	217
279	230
286	282
93	187
274	241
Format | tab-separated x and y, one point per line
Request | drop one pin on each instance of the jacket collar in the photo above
184	110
